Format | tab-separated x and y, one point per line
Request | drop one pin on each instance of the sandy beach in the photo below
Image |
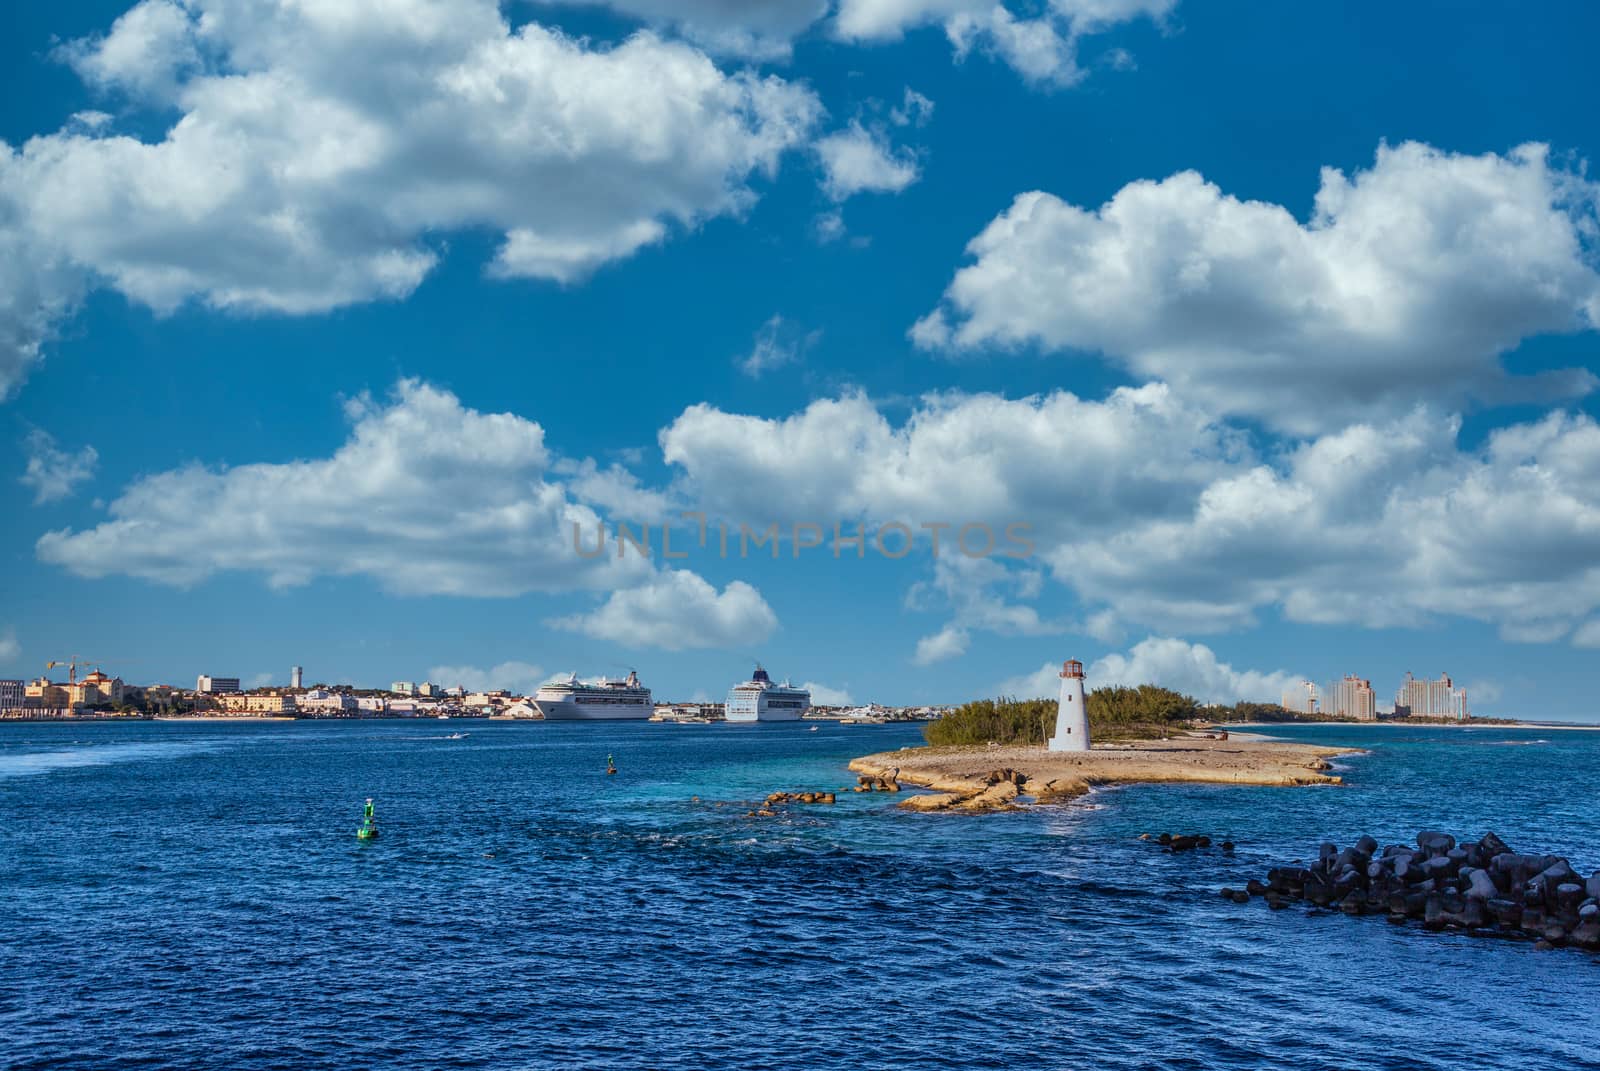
986	779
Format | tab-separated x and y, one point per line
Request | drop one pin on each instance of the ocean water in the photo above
193	895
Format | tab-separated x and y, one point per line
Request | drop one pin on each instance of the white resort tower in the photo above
1072	715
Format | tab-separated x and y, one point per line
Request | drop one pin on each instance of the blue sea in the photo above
193	895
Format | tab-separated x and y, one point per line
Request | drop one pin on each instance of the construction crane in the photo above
72	665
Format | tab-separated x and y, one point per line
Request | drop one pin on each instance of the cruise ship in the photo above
758	699
603	700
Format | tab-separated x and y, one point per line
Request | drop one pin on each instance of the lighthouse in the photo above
1072	715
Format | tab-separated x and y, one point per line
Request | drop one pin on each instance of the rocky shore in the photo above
979	779
1477	887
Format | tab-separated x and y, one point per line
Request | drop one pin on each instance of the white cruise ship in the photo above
603	700
758	699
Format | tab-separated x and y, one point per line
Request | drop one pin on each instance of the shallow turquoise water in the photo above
185	895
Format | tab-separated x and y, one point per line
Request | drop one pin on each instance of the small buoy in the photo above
611	767
369	828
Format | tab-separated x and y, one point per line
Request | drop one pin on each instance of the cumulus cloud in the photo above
779	342
949	642
9	647
1056	462
321	150
425	496
676	610
824	696
757	29
53	473
1190	668
1156	516
1381	525
858	160
518	678
1039	41
1410	280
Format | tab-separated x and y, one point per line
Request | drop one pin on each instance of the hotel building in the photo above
1352	697
1433	699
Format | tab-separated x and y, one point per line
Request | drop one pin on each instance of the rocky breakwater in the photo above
1481	887
769	806
977	779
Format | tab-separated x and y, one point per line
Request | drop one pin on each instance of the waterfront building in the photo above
295	676
372	704
1352	697
402	687
43	692
96	689
1433	699
1303	698
271	703
12	693
327	704
1072	711
207	685
428	688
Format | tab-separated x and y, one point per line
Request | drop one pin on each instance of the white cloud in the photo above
758	29
518	678
9	647
676	610
779	342
323	151
858	160
828	227
1157	517
1056	462
1190	668
147	51
1410	280
53	473
1039	41
426	496
949	642
914	110
260	680
1374	525
824	696
1044	682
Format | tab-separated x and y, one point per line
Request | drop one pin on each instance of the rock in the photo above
1434	842
1592	886
1227	846
1366	845
1227	893
936	801
1241	897
1480	885
1587	933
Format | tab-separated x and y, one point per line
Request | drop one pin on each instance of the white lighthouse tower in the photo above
1072	716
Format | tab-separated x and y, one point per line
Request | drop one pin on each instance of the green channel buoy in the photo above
369	827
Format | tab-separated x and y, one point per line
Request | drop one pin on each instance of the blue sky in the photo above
321	323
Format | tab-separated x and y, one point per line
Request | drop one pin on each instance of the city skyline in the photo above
1271	398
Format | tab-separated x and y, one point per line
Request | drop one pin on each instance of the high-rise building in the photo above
1303	698
11	695
1433	699
1352	697
295	675
217	685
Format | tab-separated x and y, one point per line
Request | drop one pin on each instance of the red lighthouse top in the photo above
1072	668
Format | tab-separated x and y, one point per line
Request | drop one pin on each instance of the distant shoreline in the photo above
1248	726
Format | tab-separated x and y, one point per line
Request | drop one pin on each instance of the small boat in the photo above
814	728
456	736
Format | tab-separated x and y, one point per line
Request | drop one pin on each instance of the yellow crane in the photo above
72	665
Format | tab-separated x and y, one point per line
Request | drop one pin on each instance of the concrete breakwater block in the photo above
1481	887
